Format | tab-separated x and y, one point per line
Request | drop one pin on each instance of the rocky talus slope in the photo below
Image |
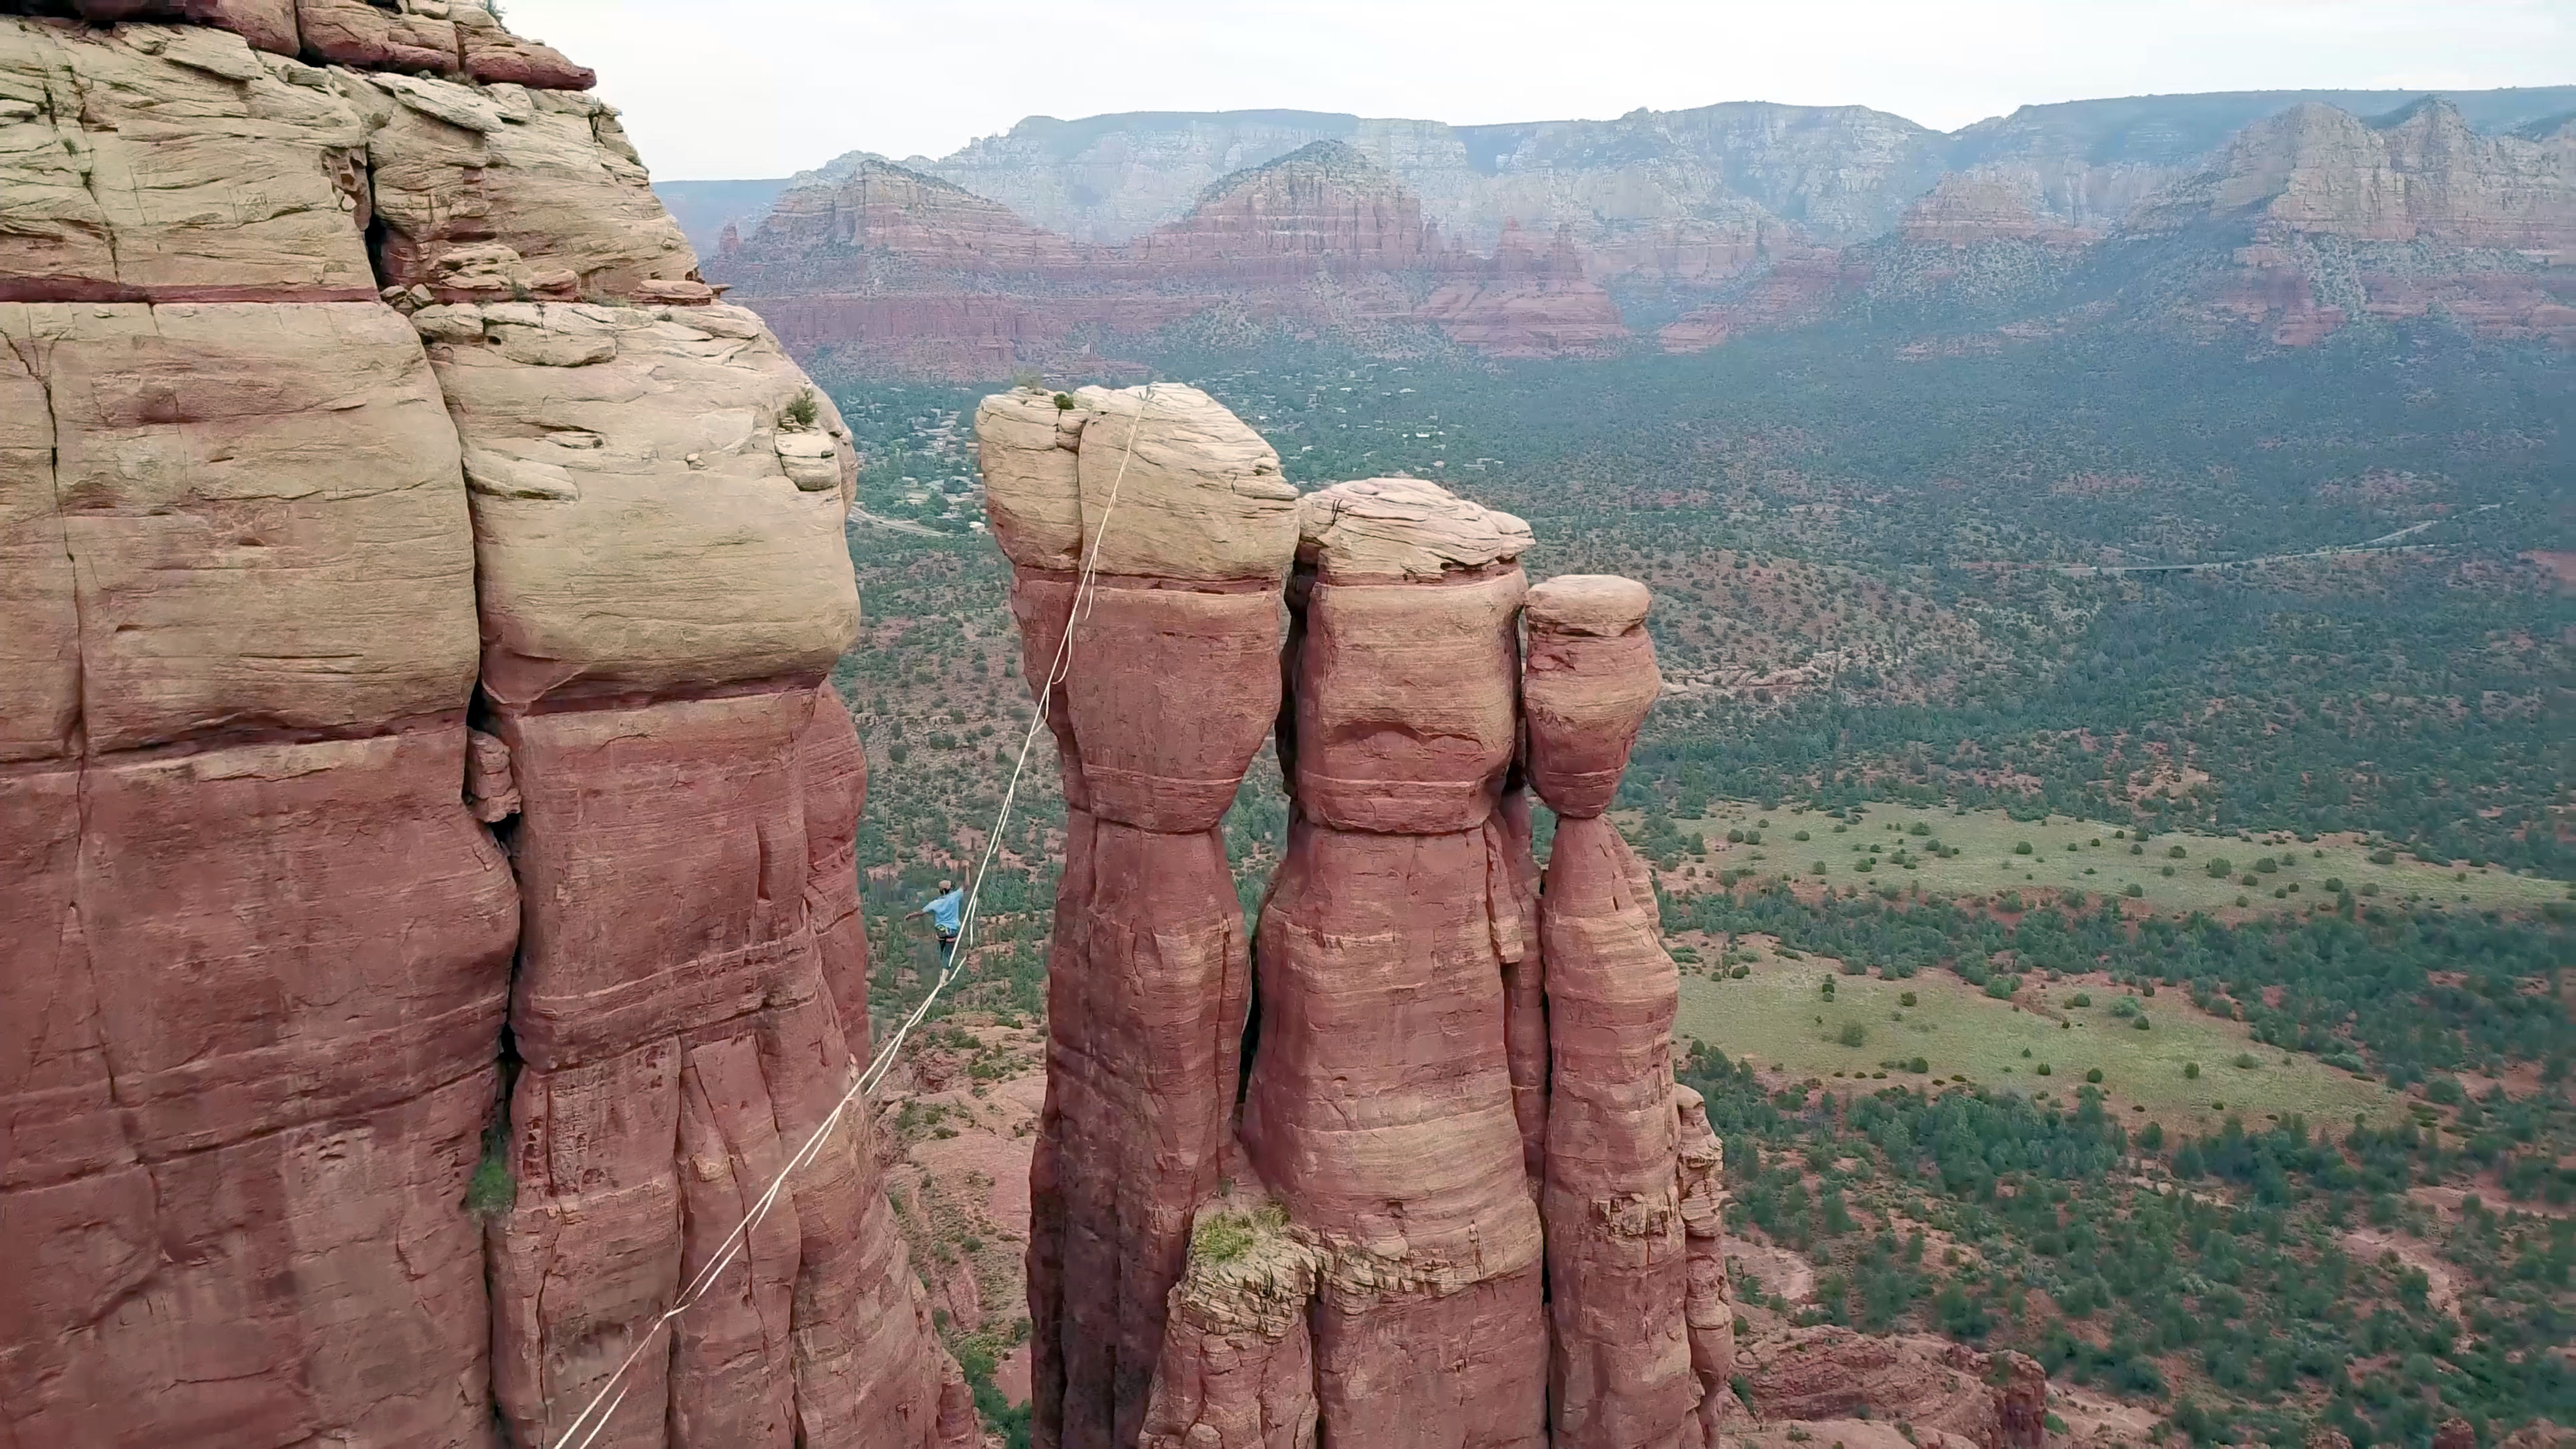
425	873
1410	1169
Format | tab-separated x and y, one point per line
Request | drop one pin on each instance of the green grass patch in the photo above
1779	1017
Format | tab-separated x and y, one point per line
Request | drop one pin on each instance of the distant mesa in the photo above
1551	239
921	275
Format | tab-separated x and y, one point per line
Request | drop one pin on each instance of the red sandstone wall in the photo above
273	981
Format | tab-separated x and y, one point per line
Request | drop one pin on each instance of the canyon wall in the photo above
430	909
892	269
1410	1167
1055	245
1839	174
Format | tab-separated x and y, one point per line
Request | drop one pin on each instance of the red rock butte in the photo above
1410	1168
426	875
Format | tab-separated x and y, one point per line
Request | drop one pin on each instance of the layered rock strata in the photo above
918	274
365	1076
1180	514
1379	1103
1035	248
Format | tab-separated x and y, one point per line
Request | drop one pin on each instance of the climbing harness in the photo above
594	1417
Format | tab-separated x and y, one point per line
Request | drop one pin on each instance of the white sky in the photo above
743	88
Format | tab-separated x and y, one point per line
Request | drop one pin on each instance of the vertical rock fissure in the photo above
29	354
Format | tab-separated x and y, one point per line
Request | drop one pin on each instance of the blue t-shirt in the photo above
945	910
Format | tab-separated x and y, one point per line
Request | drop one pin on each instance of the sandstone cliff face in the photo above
418	777
1972	207
1528	306
1841	171
2422	174
1321	204
1839	174
913	273
875	213
2338	218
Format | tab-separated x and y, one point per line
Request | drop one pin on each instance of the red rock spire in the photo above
1621	1374
1188	528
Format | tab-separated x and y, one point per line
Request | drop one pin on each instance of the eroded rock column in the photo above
1380	1105
1708	1306
1621	1374
1170	685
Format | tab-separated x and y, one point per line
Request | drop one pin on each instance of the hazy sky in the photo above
715	88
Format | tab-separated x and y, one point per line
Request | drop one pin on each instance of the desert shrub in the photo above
492	1190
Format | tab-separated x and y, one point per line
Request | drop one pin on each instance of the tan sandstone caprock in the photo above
1028	450
1199	497
1403	528
124	147
644	517
487	192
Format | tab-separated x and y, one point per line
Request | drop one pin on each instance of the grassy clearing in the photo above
1779	1017
2069	855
